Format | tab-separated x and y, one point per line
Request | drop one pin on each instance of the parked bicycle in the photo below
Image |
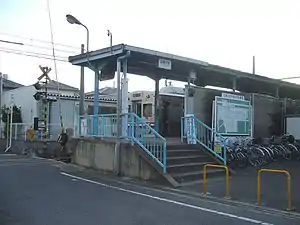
258	152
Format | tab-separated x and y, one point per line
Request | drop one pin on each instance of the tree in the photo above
17	117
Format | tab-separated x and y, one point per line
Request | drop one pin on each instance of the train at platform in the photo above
170	108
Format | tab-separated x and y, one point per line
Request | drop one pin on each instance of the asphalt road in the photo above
36	192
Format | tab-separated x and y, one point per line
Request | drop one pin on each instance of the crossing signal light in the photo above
38	96
37	86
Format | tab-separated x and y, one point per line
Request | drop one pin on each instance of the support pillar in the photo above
124	102
119	98
234	84
156	106
277	92
96	104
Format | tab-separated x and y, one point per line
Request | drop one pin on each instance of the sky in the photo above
226	33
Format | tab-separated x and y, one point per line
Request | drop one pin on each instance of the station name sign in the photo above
233	96
165	64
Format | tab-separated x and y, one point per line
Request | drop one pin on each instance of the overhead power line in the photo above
49	48
33	55
12	42
30	52
37	46
39	40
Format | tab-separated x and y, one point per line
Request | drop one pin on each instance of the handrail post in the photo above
258	187
204	180
132	127
165	157
289	191
224	152
227	182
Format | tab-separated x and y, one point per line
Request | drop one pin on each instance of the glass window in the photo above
147	110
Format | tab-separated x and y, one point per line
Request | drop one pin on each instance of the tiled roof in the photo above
102	98
104	91
53	85
9	84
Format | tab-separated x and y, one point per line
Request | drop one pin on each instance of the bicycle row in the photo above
247	152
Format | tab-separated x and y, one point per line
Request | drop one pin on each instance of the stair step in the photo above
184	152
186	167
187	159
191	176
181	146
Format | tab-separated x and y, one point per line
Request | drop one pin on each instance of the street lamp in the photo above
73	20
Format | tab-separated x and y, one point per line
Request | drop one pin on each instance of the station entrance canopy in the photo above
159	65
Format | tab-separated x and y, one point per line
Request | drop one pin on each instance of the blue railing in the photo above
133	128
195	130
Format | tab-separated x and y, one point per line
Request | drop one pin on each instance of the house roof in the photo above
104	98
9	84
104	91
54	84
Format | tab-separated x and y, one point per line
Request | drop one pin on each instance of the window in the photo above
147	110
137	108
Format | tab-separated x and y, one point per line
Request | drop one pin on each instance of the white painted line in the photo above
170	201
8	154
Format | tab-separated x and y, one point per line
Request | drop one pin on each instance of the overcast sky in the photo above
227	33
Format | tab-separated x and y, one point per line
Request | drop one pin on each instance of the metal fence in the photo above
53	131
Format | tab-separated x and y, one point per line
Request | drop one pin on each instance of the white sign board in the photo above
191	129
233	96
83	125
165	64
232	116
293	127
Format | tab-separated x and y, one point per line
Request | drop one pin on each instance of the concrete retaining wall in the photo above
53	147
124	160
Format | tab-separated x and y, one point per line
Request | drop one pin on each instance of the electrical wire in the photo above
38	40
21	44
30	52
36	56
49	48
55	65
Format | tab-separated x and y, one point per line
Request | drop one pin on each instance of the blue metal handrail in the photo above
148	139
134	128
206	136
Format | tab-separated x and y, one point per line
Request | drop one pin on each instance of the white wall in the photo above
23	97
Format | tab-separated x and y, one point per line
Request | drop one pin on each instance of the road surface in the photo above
36	192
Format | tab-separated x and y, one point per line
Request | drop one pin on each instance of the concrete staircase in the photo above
185	162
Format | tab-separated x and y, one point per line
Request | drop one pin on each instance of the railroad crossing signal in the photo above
43	95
